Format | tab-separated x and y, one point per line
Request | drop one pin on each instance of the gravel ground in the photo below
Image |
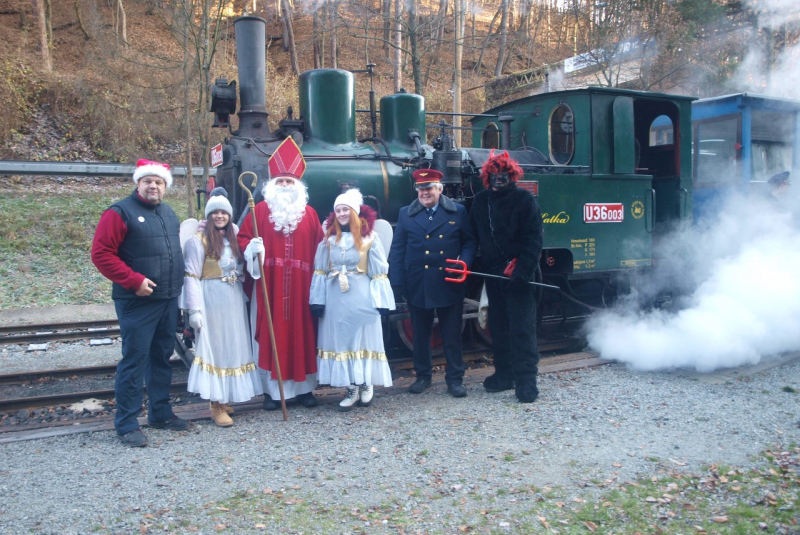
439	462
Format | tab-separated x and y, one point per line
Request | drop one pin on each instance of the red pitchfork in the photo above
463	272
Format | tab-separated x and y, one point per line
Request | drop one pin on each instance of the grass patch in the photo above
46	239
720	500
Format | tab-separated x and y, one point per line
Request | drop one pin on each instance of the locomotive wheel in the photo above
406	332
484	334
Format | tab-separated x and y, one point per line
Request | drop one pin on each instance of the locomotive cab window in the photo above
562	134
491	137
661	131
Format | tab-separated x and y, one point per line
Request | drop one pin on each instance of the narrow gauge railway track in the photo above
48	332
471	356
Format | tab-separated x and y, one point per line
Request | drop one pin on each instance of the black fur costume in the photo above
508	225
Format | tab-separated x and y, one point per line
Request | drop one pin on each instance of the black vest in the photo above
151	247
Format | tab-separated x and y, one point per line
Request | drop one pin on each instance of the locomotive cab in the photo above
610	185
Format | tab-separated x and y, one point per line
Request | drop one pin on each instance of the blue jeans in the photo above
148	341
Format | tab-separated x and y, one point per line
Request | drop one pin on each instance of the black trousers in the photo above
450	323
512	324
148	341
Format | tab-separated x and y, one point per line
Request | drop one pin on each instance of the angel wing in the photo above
384	231
188	229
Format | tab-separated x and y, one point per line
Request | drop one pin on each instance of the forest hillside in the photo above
110	80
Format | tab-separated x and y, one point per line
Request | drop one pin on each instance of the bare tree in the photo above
41	34
289	36
398	39
501	46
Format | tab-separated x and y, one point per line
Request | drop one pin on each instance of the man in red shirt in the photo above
137	247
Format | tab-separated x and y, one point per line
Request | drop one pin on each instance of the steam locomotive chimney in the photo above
250	55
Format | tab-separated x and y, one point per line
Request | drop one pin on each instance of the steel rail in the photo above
86	371
46	332
35	402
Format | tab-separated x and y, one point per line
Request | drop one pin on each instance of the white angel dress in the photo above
223	369
352	284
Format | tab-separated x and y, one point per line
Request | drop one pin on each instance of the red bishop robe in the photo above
288	268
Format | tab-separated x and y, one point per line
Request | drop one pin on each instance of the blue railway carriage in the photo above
740	141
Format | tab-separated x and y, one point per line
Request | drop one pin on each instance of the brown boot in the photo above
227	408
219	415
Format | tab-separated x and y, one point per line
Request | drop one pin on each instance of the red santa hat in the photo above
287	161
151	168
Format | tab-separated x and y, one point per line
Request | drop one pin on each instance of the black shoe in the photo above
270	404
498	383
526	389
457	390
420	385
173	424
134	439
307	400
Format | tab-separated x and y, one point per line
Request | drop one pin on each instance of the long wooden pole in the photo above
252	205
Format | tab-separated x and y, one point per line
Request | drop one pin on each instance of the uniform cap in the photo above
425	178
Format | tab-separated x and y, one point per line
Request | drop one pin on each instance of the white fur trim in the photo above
156	170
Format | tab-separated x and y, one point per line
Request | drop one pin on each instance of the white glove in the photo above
196	319
256	246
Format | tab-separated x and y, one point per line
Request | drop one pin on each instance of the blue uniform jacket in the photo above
421	246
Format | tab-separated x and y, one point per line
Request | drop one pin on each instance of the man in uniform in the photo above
289	232
137	247
430	230
508	224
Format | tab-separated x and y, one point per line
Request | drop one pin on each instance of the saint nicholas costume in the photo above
287	270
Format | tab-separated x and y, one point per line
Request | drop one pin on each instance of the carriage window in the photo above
491	137
562	134
661	131
716	146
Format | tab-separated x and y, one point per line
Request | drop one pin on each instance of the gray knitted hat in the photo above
218	200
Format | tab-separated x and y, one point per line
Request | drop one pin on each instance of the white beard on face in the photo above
287	205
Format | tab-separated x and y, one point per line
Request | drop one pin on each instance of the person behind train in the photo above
223	370
349	293
289	232
508	224
779	185
430	230
137	247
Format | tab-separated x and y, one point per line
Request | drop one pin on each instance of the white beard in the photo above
287	205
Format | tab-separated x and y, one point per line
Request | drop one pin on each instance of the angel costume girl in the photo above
223	370
350	291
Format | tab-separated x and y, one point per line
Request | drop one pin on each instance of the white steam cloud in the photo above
742	301
758	72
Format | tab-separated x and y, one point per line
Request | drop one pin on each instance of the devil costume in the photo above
508	225
352	284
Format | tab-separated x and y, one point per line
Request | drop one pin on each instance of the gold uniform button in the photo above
441	252
440	269
426	266
441	236
428	237
427	252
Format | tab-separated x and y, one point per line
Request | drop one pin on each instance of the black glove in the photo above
317	310
398	294
383	311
